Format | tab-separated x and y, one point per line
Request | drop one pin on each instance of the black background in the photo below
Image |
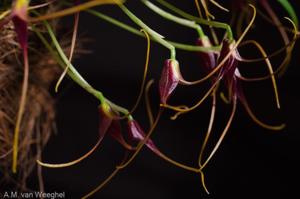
252	162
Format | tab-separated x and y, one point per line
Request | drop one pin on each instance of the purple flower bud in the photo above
169	79
137	133
207	59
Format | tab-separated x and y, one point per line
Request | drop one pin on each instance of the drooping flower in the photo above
170	77
231	76
110	124
229	69
19	18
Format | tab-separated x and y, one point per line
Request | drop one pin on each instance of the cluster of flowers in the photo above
221	63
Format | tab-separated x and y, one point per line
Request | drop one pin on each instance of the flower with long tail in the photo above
232	77
19	17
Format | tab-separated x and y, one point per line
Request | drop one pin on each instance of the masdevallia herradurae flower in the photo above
19	16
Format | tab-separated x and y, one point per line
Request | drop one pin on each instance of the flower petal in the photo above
230	66
116	132
21	30
232	61
137	133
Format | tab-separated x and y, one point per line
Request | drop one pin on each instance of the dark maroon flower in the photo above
232	77
230	74
170	77
19	17
229	69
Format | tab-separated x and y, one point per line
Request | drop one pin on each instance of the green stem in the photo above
197	19
137	32
151	32
62	60
76	76
181	21
58	59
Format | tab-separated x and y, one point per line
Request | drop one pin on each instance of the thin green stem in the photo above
118	108
124	26
151	32
77	77
181	21
61	59
195	48
197	19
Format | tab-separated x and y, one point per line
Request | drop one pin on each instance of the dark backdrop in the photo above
252	162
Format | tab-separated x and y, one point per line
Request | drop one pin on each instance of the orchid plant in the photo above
218	56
